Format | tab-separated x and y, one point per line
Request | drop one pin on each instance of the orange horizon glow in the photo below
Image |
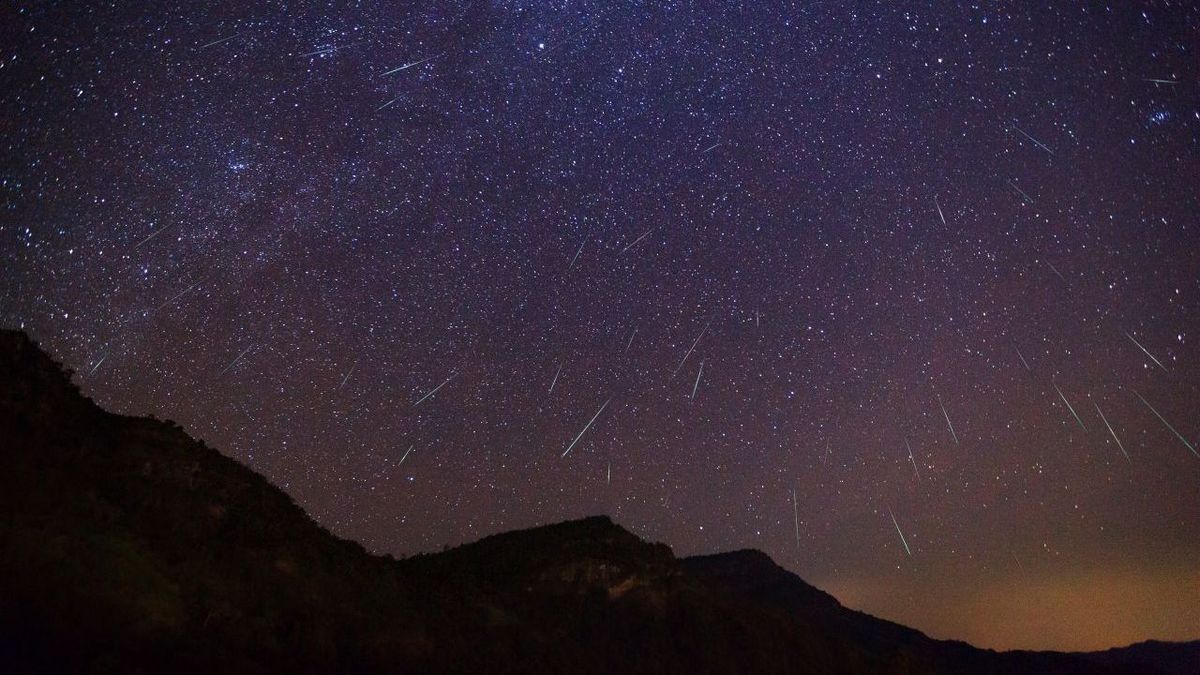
1087	609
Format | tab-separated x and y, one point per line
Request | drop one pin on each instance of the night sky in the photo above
904	294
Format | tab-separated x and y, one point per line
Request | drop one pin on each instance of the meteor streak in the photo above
408	65
1167	424
389	103
902	539
348	373
912	459
1069	407
689	351
948	422
152	235
435	389
1147	352
796	515
217	42
1056	272
1110	430
577	252
177	295
1022	357
635	241
1035	141
234	362
585	428
1014	186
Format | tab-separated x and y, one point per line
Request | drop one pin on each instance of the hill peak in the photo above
32	384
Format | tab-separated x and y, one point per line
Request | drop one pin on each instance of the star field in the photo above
396	256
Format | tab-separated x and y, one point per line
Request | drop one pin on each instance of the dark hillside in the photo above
126	546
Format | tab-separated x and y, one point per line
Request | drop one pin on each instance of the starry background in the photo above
775	245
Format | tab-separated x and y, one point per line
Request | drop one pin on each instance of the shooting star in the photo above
97	364
1022	357
152	235
217	42
710	148
348	373
689	351
585	428
389	103
630	343
948	423
1014	186
911	458
177	296
435	389
577	252
1110	430
939	209
555	380
234	362
1068	403
1035	141
1146	351
902	539
1056	272
796	515
321	51
697	384
409	65
1157	80
410	449
1168	424
635	241
608	480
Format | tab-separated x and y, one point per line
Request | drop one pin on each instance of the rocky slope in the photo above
126	546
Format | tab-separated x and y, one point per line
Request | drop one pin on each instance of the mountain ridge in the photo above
126	545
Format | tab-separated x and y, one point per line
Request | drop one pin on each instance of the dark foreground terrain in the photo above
126	547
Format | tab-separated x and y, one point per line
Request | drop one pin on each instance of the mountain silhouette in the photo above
128	547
